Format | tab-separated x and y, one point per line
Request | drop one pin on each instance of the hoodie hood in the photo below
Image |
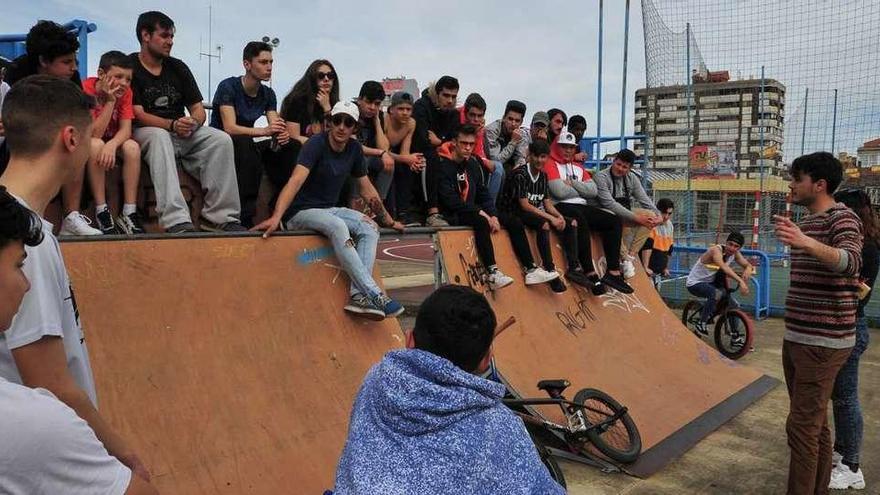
415	392
422	425
557	157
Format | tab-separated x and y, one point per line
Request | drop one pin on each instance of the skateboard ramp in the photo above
677	388
228	363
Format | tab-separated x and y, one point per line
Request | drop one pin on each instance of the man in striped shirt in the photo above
820	313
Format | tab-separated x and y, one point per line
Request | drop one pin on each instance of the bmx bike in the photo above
733	328
592	418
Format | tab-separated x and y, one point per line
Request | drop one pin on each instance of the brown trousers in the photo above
809	375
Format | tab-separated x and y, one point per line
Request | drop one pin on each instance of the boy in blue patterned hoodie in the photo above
425	422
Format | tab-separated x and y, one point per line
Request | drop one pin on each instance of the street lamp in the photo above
274	42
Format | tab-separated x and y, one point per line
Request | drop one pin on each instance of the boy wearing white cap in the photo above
308	202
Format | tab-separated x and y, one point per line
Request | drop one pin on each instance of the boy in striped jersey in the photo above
820	313
526	202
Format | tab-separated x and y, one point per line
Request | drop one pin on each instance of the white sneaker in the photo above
540	276
628	269
844	479
498	280
835	458
77	224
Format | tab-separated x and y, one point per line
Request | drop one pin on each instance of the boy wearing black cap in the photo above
705	282
371	135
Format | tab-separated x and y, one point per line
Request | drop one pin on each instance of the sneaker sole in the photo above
396	313
854	486
621	289
69	233
370	314
496	287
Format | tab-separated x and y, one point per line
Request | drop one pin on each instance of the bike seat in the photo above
553	387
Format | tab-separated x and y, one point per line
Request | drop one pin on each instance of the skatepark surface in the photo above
230	366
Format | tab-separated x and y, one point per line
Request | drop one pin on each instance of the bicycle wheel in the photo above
733	334
552	466
690	315
619	440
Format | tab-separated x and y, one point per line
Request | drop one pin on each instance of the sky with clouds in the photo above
543	53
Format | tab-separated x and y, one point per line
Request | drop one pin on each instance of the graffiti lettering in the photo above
575	319
623	302
309	256
475	273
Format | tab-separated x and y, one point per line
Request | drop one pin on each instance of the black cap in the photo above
737	238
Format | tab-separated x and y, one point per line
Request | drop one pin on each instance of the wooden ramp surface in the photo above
677	388
228	363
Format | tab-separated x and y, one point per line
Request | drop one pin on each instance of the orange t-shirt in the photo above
122	110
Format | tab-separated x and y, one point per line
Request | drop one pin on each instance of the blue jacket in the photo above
421	425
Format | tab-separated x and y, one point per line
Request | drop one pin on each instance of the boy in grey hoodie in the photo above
621	191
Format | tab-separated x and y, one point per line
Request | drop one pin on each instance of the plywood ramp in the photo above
228	363
633	347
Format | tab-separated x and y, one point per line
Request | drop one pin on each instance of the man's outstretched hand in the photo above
267	226
789	233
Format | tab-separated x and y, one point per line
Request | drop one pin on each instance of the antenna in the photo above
211	56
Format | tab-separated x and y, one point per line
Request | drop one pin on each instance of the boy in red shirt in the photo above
111	139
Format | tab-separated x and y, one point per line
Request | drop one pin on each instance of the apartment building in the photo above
724	115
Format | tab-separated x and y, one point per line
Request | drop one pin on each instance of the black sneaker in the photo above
207	226
617	283
578	277
105	222
181	228
557	285
598	287
131	224
410	219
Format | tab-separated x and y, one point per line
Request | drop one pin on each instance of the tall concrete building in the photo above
725	116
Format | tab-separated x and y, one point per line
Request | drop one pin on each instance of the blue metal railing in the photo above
760	281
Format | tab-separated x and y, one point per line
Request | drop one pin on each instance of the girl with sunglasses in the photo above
305	107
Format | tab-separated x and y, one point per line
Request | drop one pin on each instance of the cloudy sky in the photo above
543	53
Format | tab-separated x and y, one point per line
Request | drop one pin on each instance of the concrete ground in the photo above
748	455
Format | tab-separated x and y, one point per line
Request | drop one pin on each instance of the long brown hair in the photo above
306	89
859	202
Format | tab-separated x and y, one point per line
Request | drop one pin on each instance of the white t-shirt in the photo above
45	448
49	308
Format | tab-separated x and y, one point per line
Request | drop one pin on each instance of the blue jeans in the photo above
845	400
711	293
494	180
354	238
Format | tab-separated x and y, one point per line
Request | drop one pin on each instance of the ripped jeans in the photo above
354	238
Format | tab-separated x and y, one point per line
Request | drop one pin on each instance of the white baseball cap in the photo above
346	107
566	137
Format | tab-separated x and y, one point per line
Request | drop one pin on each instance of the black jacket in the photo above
449	188
430	118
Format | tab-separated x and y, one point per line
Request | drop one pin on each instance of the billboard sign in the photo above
712	162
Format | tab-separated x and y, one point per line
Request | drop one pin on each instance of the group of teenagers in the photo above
424	421
342	168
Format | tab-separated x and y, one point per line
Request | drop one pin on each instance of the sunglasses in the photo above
539	125
330	76
345	120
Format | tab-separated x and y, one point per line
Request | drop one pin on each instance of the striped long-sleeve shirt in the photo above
821	305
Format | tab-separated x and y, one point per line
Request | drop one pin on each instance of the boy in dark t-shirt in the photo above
238	102
308	202
164	90
525	202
